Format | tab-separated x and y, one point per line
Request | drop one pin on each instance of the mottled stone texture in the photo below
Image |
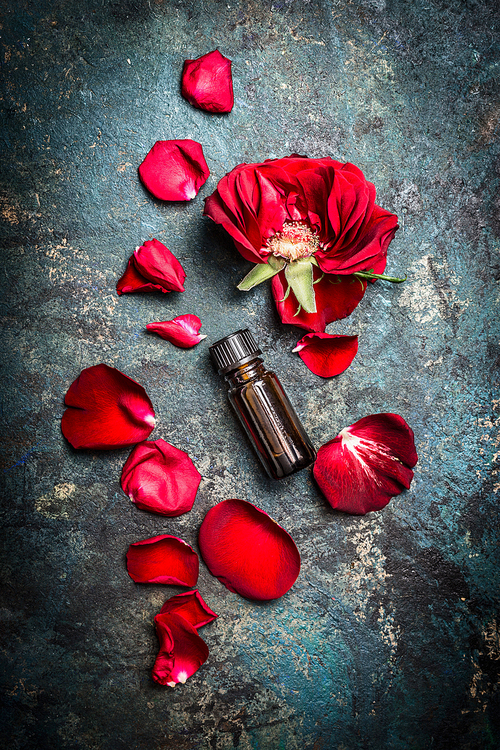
390	637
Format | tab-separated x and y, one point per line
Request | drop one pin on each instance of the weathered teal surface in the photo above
390	637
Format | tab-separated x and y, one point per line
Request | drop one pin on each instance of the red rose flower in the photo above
295	213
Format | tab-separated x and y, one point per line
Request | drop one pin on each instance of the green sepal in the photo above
286	295
299	276
261	272
370	275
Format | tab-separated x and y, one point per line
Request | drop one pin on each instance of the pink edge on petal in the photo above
248	551
325	354
367	464
106	409
191	606
174	170
181	331
182	651
160	478
163	559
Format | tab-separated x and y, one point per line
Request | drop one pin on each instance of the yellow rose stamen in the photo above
296	240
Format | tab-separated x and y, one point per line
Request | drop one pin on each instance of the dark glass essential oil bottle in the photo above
262	406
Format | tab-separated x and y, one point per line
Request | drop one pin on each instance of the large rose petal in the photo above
182	651
336	298
160	478
247	551
191	606
157	264
106	409
163	559
207	83
174	170
325	354
182	331
367	464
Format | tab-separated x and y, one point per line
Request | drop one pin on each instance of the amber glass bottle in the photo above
262	406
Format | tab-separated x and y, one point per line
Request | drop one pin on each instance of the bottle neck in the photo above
245	373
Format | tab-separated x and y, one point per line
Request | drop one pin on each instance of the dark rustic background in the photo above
390	637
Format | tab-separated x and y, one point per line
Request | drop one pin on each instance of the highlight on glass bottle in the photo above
262	406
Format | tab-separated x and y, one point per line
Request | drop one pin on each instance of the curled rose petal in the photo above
182	331
325	354
106	409
157	264
133	281
248	551
174	170
160	478
191	606
163	559
336	298
182	651
207	83
367	464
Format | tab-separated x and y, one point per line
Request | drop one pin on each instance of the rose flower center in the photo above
296	240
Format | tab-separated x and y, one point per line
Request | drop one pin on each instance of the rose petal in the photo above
181	331
160	478
107	409
325	354
182	651
191	606
163	559
207	83
133	281
174	170
157	264
367	464
248	551
336	298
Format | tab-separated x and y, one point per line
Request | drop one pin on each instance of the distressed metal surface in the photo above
390	637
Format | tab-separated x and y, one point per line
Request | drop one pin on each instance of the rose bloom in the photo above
295	213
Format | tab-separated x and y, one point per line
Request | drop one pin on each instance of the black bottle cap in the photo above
234	350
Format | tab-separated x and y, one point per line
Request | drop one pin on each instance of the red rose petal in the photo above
107	409
174	170
247	551
181	331
367	464
207	83
160	478
336	298
182	651
191	606
163	559
325	354
157	264
133	281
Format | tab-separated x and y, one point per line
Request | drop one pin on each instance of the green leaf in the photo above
299	275
261	272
